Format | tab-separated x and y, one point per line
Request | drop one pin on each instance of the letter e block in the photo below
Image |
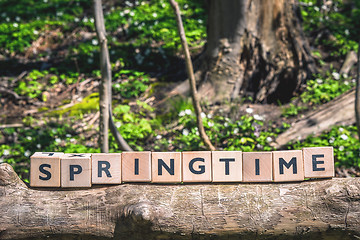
196	166
318	162
226	166
45	169
166	167
106	168
136	166
288	166
257	166
76	170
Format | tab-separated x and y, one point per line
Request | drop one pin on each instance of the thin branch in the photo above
190	71
105	86
357	93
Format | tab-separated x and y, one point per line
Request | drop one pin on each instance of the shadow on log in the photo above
326	209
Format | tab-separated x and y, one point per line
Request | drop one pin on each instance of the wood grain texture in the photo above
226	166
45	169
265	166
324	209
288	166
76	170
136	166
175	175
196	166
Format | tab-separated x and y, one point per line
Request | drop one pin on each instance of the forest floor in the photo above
49	78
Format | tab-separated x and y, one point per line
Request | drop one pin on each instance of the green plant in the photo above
292	110
132	83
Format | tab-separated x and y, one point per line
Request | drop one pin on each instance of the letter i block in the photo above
226	166
106	168
318	162
136	166
45	169
76	170
196	166
288	166
166	167
257	166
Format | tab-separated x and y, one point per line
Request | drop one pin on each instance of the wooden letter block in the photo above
136	166
196	166
76	170
106	168
288	166
166	167
257	166
318	162
45	169
226	166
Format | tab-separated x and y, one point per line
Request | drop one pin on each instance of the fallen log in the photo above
337	111
312	209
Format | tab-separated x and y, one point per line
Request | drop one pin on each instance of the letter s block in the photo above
288	166
318	162
106	168
45	169
197	166
76	170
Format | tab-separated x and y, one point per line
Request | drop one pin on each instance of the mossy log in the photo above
322	209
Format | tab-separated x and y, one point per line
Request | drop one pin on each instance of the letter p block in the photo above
76	170
45	169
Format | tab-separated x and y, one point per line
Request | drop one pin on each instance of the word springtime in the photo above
55	169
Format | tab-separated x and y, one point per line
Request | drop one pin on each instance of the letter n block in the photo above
257	166
318	162
288	166
106	168
196	166
136	166
76	170
166	167
45	169
226	166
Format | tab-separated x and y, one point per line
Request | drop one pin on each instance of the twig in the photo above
105	87
190	71
13	125
357	94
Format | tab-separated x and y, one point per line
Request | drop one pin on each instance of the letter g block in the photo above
197	166
45	169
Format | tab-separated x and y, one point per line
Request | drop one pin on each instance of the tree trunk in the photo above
255	48
307	210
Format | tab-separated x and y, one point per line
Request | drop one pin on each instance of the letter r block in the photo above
106	168
76	170
136	166
318	162
166	167
196	166
45	169
226	166
288	166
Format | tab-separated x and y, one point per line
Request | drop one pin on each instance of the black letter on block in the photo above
72	172
47	173
136	166
257	166
315	163
105	169
202	167
227	161
171	169
282	162
48	153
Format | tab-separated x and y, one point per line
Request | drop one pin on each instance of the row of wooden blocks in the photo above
82	170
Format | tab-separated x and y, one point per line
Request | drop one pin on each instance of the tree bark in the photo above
357	93
255	48
192	81
307	210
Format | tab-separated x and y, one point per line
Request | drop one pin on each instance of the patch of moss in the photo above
87	105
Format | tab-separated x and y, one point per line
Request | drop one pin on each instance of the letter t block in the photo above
76	170
45	169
